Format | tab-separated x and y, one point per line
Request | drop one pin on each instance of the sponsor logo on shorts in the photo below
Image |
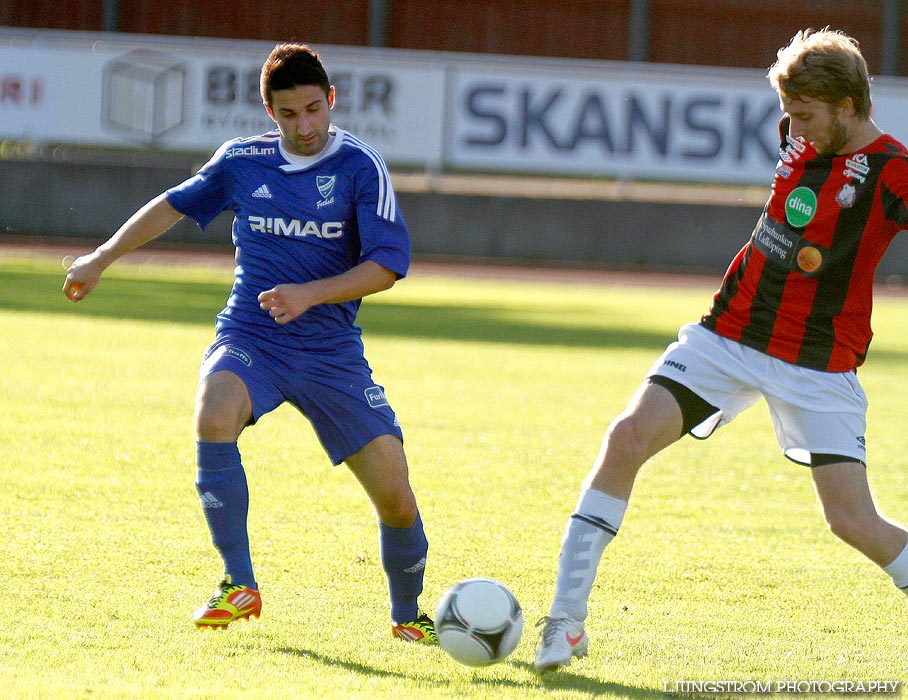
862	442
375	395
677	365
238	354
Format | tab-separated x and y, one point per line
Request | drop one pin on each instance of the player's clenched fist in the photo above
285	302
82	274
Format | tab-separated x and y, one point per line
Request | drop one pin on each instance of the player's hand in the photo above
287	301
82	275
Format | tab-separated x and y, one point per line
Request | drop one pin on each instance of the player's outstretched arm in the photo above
149	222
287	301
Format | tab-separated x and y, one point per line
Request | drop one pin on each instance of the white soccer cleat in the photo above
561	639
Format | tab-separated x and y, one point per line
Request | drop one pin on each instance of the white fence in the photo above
426	110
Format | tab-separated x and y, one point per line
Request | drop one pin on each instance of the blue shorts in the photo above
334	390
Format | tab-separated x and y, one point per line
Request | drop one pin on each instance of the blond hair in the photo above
825	65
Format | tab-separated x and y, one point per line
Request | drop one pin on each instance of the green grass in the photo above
723	569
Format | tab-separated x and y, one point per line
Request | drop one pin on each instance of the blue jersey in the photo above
298	219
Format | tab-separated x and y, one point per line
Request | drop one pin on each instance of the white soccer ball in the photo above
478	622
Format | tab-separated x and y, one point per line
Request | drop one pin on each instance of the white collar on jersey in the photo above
295	162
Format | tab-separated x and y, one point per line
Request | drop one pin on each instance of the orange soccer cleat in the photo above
230	602
421	630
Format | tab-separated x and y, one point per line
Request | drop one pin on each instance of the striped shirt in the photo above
801	288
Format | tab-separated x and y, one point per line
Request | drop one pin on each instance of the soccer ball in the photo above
478	622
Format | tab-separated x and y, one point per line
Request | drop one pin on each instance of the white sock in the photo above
591	527
898	570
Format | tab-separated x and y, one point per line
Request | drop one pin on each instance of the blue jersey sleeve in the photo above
207	193
384	238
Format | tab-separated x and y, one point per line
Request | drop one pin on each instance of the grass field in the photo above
723	568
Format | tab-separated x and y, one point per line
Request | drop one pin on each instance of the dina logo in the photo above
800	207
375	395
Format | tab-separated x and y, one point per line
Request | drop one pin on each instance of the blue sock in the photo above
224	495
403	556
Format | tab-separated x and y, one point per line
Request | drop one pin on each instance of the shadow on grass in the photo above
563	680
171	301
197	302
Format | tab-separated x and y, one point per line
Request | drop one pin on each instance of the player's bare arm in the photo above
145	225
285	302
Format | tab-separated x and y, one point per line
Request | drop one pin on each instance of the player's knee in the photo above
848	527
397	510
626	439
216	426
206	427
223	408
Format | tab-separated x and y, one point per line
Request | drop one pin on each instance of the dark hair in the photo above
289	65
825	65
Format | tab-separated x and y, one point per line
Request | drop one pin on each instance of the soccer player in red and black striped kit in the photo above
790	323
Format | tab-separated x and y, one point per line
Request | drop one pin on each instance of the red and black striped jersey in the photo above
802	288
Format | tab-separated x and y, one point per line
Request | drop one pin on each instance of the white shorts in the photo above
813	412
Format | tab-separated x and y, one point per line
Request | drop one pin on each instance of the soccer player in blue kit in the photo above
316	228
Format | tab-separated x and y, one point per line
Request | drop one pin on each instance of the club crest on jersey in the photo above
325	184
846	196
